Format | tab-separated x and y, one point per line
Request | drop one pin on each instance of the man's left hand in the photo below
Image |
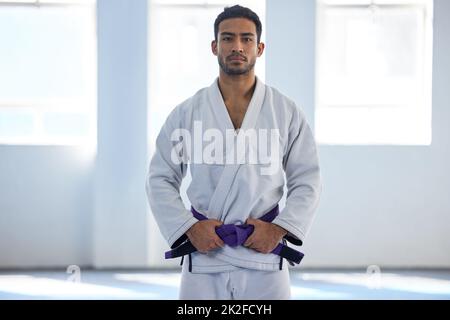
265	237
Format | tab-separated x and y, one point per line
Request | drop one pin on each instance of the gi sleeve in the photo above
163	185
303	181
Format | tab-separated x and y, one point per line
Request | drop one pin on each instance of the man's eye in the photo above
226	38
247	39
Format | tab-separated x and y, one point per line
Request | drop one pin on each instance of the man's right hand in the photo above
203	235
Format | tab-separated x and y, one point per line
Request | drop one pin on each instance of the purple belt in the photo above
236	235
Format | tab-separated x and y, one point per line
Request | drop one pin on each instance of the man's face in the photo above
236	47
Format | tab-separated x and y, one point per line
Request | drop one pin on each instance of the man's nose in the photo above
238	50
237	47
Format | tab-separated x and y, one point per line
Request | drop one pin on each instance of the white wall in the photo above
120	208
45	206
381	205
388	206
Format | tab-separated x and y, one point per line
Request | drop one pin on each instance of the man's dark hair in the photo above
238	11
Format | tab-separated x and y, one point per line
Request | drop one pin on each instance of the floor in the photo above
310	285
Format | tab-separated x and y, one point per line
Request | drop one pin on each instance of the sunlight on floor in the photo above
61	289
164	285
385	281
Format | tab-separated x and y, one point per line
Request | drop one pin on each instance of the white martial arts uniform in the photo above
240	284
234	192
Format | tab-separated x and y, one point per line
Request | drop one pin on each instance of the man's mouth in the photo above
236	58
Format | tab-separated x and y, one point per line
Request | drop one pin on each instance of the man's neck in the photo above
237	87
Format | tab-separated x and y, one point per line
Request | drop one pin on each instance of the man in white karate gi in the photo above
242	141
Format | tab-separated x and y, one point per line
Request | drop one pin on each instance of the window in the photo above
181	61
374	65
48	72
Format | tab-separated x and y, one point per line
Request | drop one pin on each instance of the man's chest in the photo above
237	111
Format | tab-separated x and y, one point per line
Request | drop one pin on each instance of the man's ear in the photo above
261	47
214	47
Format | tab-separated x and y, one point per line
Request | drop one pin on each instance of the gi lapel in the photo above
216	205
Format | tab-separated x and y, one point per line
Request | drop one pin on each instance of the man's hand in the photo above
203	235
265	237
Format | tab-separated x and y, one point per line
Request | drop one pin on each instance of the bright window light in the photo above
48	72
181	61
374	65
